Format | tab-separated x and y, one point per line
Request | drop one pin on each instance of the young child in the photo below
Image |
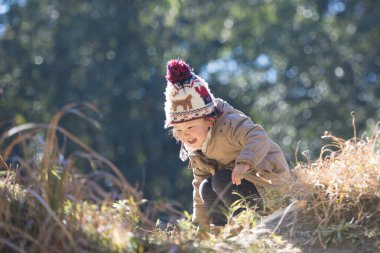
227	151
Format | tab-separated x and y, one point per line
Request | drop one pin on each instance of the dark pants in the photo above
216	193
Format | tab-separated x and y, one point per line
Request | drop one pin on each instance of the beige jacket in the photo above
236	139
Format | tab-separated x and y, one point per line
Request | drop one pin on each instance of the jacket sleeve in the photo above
252	138
200	215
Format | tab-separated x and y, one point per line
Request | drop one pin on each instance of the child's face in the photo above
192	133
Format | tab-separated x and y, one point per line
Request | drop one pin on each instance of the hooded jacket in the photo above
236	139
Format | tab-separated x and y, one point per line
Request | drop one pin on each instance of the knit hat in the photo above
187	95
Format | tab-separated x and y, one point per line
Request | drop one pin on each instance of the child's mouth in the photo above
193	141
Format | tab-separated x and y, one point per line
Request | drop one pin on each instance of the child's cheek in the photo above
181	137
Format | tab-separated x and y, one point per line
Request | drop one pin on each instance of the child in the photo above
227	151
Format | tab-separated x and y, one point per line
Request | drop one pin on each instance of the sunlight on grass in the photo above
48	205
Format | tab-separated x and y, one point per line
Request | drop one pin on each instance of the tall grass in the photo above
342	189
48	205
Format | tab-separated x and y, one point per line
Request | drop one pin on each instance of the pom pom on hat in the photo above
177	71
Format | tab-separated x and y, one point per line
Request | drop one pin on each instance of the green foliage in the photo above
128	210
337	233
186	227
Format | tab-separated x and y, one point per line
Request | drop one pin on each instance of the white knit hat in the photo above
187	95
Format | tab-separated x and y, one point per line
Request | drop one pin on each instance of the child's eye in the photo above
190	127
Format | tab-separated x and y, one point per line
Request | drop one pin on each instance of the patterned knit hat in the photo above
187	95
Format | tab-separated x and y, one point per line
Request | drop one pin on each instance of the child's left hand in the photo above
238	173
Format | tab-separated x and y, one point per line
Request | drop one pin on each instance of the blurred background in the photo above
297	67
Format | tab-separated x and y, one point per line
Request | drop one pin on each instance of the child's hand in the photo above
238	173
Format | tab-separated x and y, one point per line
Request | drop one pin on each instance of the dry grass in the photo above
48	205
342	188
